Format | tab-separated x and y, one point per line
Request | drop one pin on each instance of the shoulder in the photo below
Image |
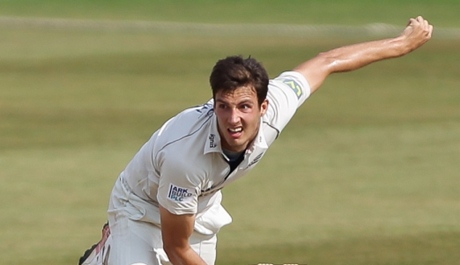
286	93
190	122
291	84
181	141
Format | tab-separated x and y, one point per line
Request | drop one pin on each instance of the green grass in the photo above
352	12
366	172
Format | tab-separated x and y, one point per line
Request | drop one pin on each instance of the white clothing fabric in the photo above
140	242
182	168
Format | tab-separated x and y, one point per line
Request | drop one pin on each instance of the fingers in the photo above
417	32
419	26
428	27
418	21
411	22
422	23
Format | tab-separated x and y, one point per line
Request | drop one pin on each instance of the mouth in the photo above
235	132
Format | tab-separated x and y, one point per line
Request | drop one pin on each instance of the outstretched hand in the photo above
417	32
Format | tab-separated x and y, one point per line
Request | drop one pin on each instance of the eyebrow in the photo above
245	101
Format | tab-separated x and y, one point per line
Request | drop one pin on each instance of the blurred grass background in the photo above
366	172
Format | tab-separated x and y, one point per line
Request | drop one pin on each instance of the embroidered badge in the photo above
294	86
179	194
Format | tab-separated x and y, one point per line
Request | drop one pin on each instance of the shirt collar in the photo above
212	143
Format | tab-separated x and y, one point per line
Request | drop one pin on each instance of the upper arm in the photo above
315	71
176	229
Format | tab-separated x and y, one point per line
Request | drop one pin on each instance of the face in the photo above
238	117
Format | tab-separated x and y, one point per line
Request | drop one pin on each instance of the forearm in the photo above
349	58
355	56
352	57
176	231
185	256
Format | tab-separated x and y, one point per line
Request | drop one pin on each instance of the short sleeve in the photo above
178	189
286	93
295	85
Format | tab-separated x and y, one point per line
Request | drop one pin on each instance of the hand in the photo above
417	32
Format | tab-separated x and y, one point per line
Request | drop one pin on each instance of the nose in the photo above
234	116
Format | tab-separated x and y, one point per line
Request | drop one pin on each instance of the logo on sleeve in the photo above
294	86
178	194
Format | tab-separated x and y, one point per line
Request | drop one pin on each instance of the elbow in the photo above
168	250
171	248
176	254
317	69
328	63
172	252
334	64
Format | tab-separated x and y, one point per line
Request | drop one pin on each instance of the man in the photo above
165	207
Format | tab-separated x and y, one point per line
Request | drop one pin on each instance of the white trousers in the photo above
135	241
140	243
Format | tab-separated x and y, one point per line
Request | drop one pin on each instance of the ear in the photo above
264	107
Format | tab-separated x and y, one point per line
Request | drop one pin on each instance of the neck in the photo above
232	155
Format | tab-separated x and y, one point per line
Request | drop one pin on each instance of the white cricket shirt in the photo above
182	167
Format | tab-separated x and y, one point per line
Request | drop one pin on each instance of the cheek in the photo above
252	120
220	116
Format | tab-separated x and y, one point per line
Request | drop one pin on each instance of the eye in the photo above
222	106
245	107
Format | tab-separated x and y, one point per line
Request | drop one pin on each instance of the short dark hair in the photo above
235	71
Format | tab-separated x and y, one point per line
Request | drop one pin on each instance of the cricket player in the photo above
165	207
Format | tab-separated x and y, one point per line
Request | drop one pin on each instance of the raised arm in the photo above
352	57
176	230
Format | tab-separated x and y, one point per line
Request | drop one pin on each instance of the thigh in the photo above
205	246
135	242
